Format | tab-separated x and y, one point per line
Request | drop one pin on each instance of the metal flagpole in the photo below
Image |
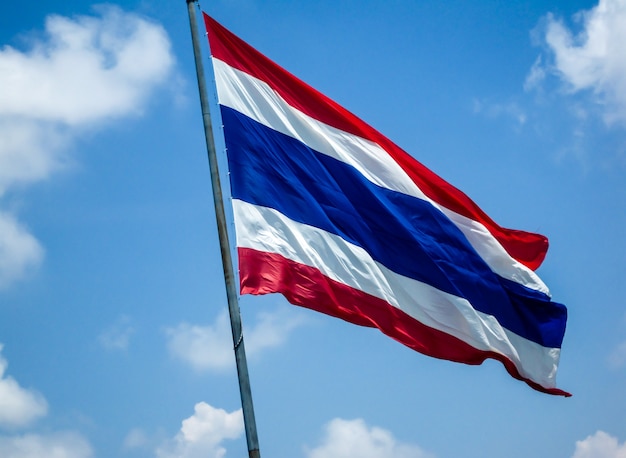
227	262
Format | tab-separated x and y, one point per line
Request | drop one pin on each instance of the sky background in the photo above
114	338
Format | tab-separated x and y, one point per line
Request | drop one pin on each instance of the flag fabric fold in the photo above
337	218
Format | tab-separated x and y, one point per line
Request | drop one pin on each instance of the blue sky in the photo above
113	336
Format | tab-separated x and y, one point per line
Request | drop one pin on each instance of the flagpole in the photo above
227	262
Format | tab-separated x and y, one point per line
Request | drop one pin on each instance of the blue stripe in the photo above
407	235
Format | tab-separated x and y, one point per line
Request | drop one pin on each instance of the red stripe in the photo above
528	248
264	273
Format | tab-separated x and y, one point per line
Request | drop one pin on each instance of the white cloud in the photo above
87	70
350	438
536	75
82	72
19	407
30	151
117	336
272	329
202	434
600	445
20	252
136	438
211	347
55	445
594	59
617	358
509	110
202	347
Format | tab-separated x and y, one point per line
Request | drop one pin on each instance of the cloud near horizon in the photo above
84	72
54	445
350	438
202	434
20	408
600	445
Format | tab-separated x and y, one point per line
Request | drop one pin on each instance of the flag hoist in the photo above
227	262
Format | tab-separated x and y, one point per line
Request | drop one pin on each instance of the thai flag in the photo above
339	219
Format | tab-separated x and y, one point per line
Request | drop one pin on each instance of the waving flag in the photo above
337	218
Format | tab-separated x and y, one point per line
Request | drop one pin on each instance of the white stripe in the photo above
265	229
255	99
